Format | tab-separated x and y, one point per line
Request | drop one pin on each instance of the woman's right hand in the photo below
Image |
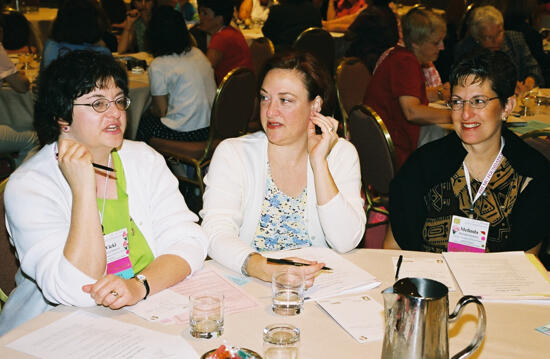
75	162
259	268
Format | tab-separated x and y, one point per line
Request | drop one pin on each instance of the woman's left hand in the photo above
115	292
319	146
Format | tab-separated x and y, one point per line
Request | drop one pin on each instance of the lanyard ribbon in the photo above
486	180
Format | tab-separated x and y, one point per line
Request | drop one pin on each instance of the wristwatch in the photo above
143	280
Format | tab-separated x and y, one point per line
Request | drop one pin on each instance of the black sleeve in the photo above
407	206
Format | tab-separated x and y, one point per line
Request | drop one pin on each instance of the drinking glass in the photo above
288	291
528	101
206	315
281	341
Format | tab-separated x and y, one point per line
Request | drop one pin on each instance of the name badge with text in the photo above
118	260
468	235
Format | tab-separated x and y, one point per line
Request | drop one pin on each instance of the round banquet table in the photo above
510	327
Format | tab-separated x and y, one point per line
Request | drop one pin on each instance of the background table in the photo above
510	327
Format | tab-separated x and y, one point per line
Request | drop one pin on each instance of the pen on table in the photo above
101	167
292	263
399	261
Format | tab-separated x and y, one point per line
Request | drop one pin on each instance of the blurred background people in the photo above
227	48
132	38
80	25
181	79
288	19
373	32
20	143
486	30
397	90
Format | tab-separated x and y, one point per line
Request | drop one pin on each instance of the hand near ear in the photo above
319	146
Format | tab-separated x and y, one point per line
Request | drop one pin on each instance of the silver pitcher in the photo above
416	311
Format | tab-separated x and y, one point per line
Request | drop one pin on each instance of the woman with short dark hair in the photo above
95	219
288	186
482	174
79	25
181	79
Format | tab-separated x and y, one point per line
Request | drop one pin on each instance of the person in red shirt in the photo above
397	91
227	48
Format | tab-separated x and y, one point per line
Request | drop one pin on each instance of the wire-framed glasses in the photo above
477	102
102	104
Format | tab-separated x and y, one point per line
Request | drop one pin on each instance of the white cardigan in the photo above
38	216
235	189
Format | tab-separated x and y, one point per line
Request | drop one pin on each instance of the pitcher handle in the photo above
480	333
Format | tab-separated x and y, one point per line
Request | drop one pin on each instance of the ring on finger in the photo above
114	293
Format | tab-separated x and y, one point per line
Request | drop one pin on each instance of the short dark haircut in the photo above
316	77
484	65
70	76
223	8
115	10
79	22
17	30
167	32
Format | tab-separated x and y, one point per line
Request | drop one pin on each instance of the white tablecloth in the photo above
510	327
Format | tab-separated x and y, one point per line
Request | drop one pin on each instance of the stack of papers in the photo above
86	335
501	276
171	306
345	277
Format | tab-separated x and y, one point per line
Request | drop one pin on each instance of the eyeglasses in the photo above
102	104
477	102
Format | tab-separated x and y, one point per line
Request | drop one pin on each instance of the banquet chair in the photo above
376	152
231	111
8	262
320	44
352	79
261	49
535	140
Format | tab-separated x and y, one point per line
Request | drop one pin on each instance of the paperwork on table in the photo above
500	276
431	268
360	315
86	335
345	277
171	306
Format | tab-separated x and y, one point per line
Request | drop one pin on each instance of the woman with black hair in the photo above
95	219
182	82
79	25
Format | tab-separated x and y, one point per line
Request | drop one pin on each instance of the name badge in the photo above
116	248
468	235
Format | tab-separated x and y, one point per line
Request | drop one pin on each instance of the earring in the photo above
65	128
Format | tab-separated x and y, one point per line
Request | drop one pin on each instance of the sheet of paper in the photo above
360	315
171	306
345	277
504	275
431	268
86	335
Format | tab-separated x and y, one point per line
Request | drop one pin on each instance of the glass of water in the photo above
206	315
281	341
288	291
